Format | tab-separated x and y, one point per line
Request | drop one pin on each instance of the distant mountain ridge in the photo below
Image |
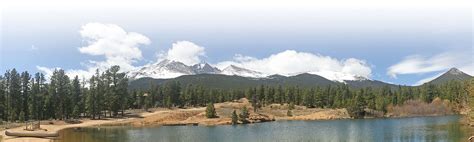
221	81
235	82
167	69
164	70
234	77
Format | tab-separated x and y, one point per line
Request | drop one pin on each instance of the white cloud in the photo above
291	62
416	64
111	41
47	71
118	46
185	52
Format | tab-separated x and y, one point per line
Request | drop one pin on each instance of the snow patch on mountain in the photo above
234	70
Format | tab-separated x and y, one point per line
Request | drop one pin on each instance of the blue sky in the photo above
417	39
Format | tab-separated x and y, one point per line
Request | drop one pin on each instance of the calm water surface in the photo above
442	128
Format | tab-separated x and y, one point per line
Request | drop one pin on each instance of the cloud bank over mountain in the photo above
291	62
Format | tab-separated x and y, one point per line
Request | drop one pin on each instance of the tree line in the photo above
29	97
24	96
174	94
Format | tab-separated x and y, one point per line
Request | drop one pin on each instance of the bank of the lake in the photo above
434	128
196	116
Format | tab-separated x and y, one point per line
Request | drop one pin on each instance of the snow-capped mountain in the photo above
167	69
234	70
171	69
164	69
205	68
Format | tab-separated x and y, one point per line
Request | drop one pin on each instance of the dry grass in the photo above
193	116
420	108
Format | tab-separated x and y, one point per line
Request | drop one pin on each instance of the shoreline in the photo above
196	116
129	121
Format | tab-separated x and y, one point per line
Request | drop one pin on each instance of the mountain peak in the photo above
455	71
163	69
451	74
205	68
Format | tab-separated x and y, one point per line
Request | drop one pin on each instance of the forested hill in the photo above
237	82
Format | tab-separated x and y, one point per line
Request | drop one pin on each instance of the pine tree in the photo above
235	118
255	103
356	110
22	117
33	98
99	94
260	92
308	98
380	103
25	94
42	96
76	112
211	111
122	91
76	96
370	98
277	97
13	94
2	99
244	115
267	96
60	89
91	107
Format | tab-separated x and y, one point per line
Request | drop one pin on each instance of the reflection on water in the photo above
443	128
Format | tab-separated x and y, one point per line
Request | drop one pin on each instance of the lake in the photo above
439	128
